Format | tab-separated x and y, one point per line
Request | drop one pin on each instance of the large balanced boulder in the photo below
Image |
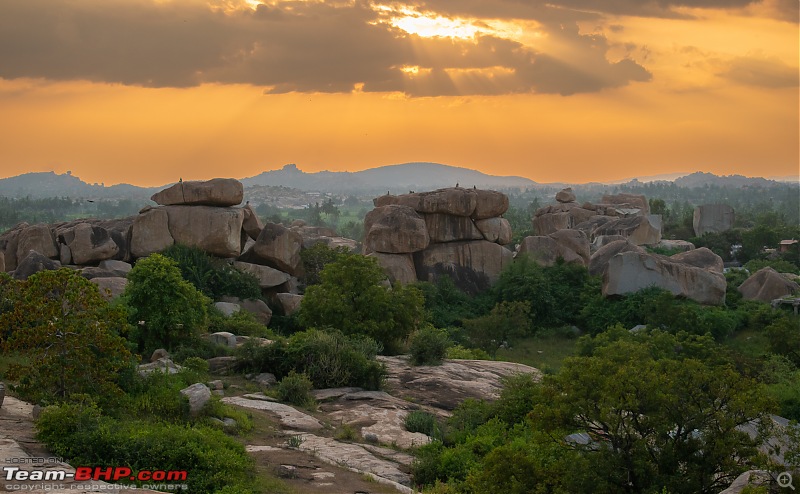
701	258
455	200
472	265
449	228
267	277
639	230
399	268
90	244
712	218
251	224
599	260
496	230
629	272
39	238
766	285
214	192
279	247
217	231
566	195
489	204
150	233
395	229
572	246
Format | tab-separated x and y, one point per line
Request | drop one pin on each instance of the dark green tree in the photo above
165	308
355	298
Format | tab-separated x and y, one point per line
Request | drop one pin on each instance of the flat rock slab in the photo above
445	386
290	417
333	393
356	458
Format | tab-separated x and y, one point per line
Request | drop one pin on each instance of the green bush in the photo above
506	322
81	435
240	323
329	358
353	298
165	309
422	421
296	389
459	352
429	346
212	276
317	257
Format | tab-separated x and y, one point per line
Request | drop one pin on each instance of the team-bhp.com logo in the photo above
119	475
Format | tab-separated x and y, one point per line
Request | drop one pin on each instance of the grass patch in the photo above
545	353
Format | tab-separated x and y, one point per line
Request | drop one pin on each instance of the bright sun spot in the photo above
430	27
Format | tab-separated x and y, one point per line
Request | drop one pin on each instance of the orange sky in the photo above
146	91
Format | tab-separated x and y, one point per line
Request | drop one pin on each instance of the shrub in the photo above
506	322
81	435
429	346
212	276
459	352
317	257
422	421
296	389
241	323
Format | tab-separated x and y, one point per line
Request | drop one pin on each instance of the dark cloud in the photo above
761	72
295	46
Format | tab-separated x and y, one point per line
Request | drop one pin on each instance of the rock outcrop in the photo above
626	215
279	247
766	285
215	230
452	232
214	192
629	272
712	218
570	245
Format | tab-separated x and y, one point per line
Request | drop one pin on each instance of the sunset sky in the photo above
146	91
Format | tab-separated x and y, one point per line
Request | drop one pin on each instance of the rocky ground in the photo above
354	441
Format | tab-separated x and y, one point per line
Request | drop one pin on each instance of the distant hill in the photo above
701	179
397	178
39	185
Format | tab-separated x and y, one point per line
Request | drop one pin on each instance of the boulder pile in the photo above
452	232
203	214
626	215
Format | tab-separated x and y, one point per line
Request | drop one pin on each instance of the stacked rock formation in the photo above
451	232
205	214
626	215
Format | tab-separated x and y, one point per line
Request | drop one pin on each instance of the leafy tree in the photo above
317	257
506	322
354	298
165	308
70	336
660	414
212	276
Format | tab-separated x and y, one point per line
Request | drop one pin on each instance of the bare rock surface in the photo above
267	277
395	229
766	285
288	416
712	218
215	230
630	272
279	247
111	287
449	228
701	258
445	386
398	267
454	200
474	265
150	233
496	230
